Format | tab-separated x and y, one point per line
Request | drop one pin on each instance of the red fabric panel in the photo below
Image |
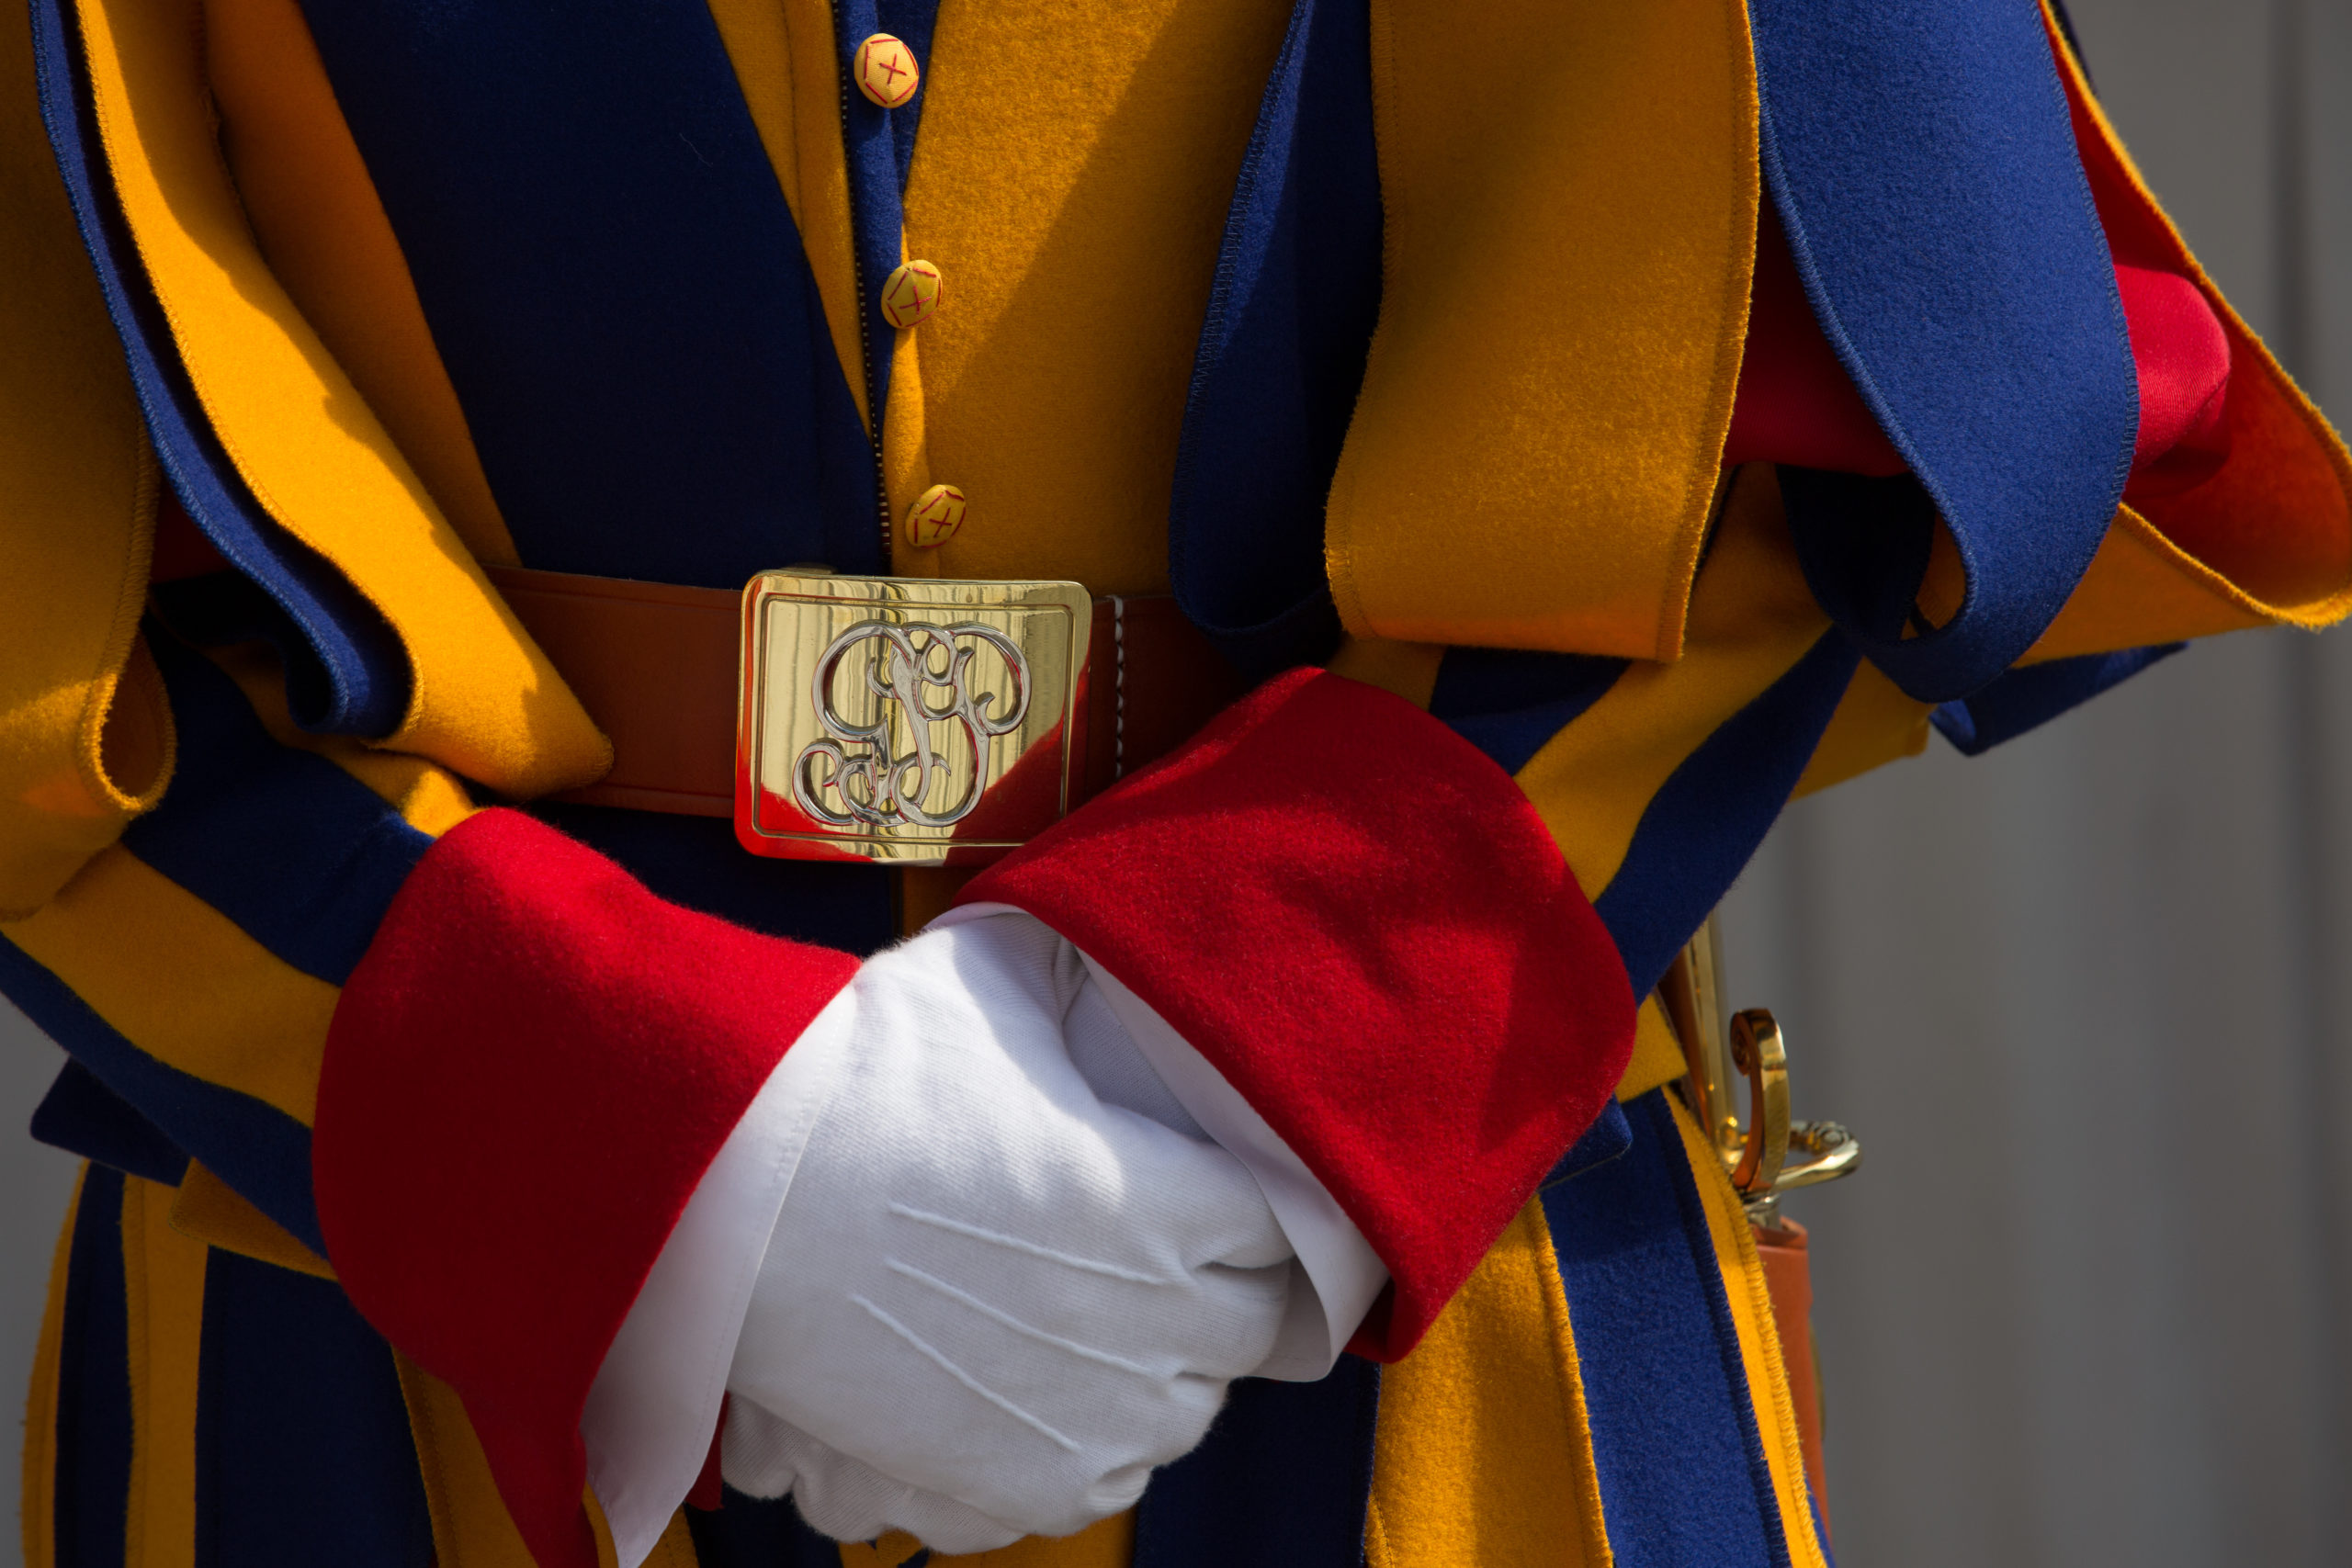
2183	357
1796	405
2178	343
527	1074
1363	923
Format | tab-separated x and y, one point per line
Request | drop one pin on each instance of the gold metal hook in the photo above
1771	1153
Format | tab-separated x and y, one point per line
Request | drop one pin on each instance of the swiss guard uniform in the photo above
1479	463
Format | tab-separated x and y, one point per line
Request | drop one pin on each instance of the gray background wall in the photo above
2086	1000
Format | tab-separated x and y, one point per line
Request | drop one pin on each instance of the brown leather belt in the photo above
655	665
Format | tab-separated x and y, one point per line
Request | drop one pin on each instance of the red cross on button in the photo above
886	71
934	517
910	294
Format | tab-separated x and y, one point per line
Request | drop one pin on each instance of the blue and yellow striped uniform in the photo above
1381	333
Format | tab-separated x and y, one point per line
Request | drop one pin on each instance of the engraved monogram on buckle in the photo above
900	666
913	721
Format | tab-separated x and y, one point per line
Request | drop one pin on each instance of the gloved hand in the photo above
992	1302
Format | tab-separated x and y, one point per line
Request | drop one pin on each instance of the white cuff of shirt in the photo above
654	1406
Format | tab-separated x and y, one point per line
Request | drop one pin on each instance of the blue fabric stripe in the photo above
1279	1481
82	1116
353	675
258	1150
303	857
92	1483
614	281
1683	1478
1920	157
302	1447
2034	696
763	1532
1282	353
1509	704
1702	826
911	22
879	146
694	860
1610	1135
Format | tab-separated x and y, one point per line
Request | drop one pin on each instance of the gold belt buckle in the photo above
911	721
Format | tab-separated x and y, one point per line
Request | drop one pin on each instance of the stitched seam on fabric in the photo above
115	655
448	1549
1738	283
110	142
136	1317
966	1379
1784	1410
2112	290
2325	611
1376	1551
1598	1552
1339	551
37	1496
1090	1265
1723	1199
1700	1236
1217	320
1119	721
1027	1330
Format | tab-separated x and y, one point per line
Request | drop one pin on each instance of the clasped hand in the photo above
993	1301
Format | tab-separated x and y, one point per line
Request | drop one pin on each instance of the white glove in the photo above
856	1501
992	1302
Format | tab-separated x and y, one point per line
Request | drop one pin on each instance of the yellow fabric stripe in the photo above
316	214
431	799
784	63
1406	668
207	1209
1107	1543
183	982
1483	1454
2142	588
608	1556
163	1283
1752	617
2287	473
1570	195
1071	183
487	703
1657	1055
906	449
37	1483
76	514
676	1547
1760	1341
471	1525
1874	724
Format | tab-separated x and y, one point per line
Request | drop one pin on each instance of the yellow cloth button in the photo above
910	294
886	71
935	516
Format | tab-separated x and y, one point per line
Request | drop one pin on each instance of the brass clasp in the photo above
1771	1154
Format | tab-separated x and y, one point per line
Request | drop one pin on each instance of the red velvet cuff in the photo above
1363	923
526	1076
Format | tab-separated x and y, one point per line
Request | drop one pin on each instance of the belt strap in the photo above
655	666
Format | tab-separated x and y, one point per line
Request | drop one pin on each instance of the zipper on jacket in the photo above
866	343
